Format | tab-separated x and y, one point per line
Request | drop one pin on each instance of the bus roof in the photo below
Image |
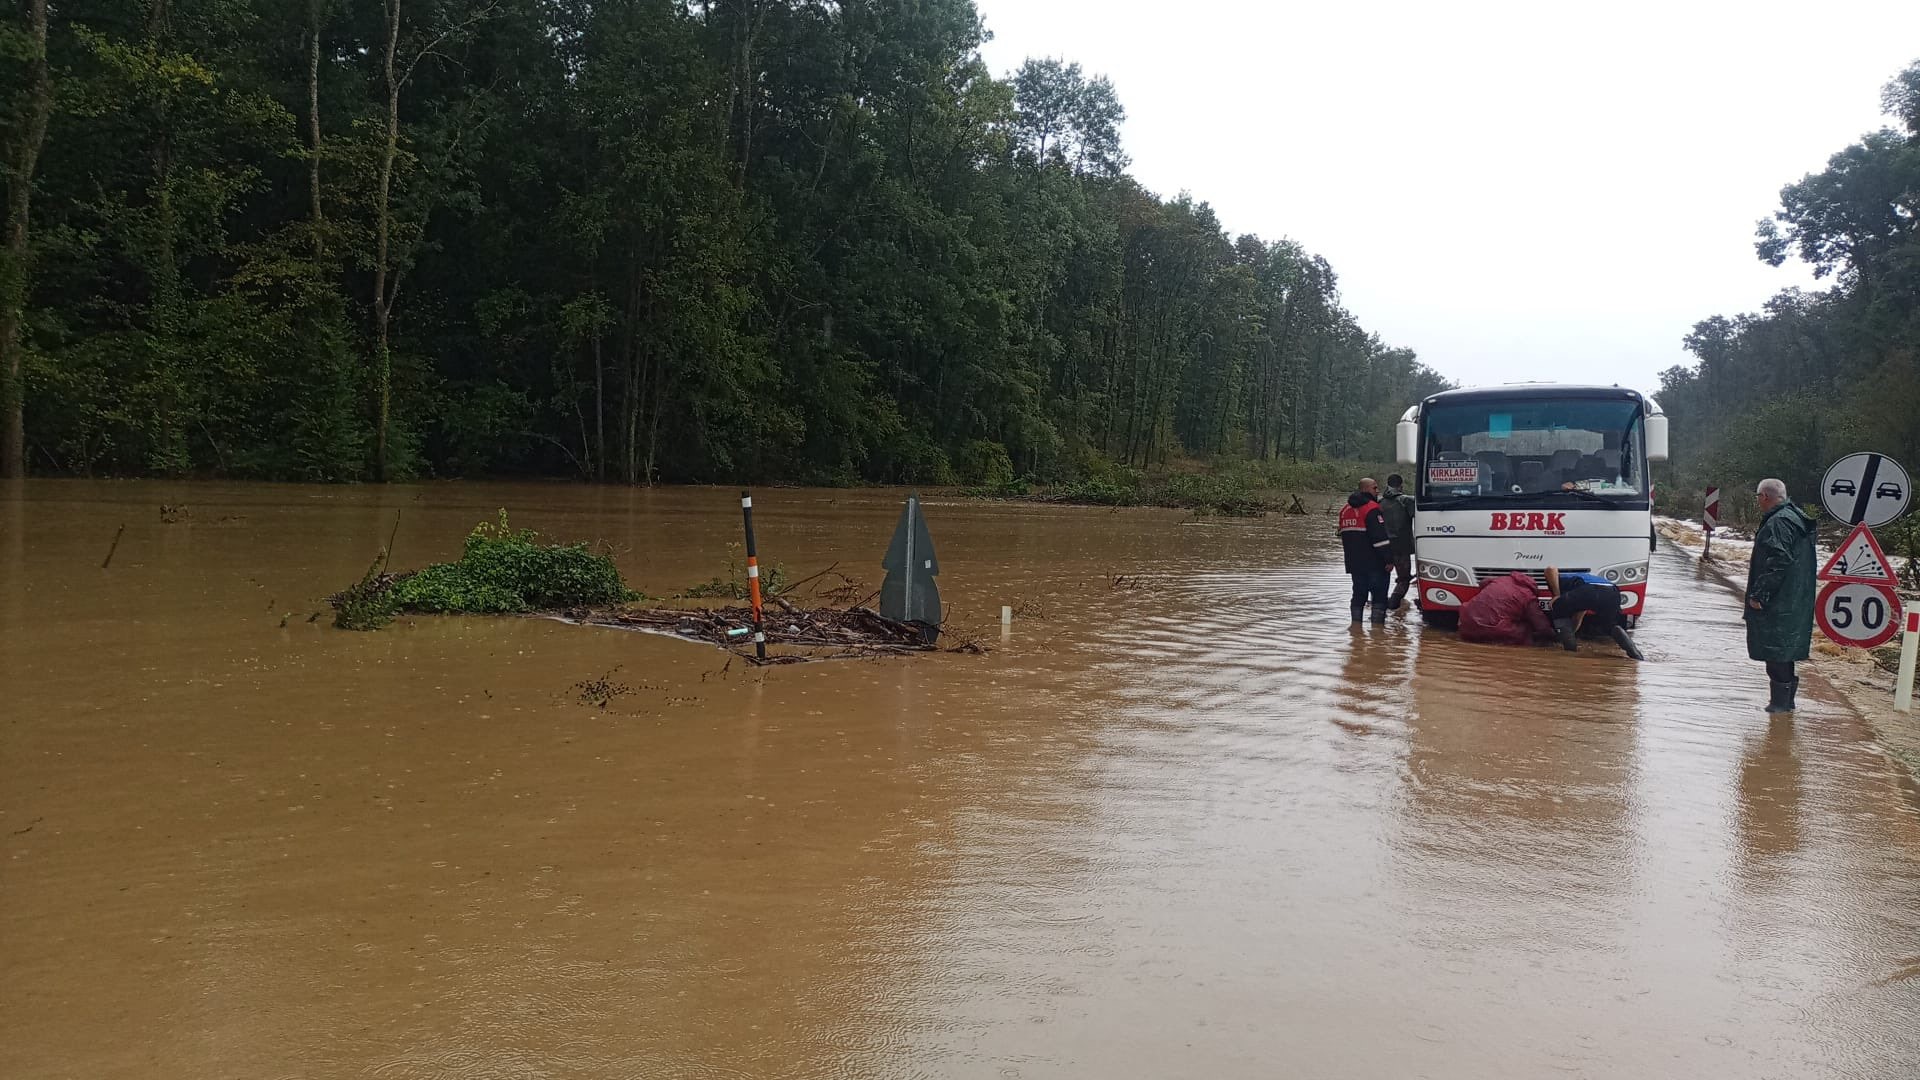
1538	391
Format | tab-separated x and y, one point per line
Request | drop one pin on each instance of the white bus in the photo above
1529	476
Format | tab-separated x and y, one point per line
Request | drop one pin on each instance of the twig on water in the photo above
387	558
115	546
790	587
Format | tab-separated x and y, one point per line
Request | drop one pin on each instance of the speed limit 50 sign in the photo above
1858	614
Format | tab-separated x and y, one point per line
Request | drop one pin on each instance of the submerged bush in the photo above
368	604
503	570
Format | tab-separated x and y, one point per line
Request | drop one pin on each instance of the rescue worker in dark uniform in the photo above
1397	507
1364	540
1581	597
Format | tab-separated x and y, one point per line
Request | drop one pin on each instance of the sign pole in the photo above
1709	517
753	576
1909	649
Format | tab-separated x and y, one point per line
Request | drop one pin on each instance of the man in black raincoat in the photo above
1780	591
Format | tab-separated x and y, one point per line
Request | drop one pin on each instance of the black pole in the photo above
753	576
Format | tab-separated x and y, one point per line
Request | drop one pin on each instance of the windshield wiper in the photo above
1583	493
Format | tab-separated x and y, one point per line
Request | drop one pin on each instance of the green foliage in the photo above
646	241
504	569
1901	540
368	604
984	463
1814	375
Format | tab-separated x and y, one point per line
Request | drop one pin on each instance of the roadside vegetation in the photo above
1222	488
1815	374
641	242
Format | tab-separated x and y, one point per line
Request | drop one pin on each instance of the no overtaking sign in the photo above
1866	489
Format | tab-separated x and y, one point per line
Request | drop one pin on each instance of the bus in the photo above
1528	476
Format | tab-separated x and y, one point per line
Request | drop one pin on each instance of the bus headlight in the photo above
1627	573
1629	600
1439	571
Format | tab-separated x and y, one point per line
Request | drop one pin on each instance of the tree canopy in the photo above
1816	374
632	240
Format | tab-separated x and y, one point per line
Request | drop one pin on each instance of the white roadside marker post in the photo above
1909	648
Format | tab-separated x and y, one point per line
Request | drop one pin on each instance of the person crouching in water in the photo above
1505	612
1581	597
1364	540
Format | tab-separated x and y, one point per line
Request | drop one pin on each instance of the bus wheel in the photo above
1441	620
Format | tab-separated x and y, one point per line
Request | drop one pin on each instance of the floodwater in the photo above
1190	826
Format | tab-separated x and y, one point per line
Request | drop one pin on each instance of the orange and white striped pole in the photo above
753	576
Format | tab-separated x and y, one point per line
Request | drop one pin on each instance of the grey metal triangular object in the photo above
908	594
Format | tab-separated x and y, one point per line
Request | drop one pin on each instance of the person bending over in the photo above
1505	612
1580	598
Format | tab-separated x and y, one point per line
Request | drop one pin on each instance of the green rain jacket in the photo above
1398	508
1781	579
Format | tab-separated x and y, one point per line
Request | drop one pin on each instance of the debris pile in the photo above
839	633
507	571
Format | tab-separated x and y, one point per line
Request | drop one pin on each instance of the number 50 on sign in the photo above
1859	614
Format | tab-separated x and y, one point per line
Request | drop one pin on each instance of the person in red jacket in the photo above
1364	541
1506	612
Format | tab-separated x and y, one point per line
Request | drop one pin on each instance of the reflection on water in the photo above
1194	825
1770	796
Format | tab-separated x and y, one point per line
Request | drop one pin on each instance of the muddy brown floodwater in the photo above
1192	828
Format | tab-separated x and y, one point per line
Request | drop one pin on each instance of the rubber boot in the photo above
1379	615
1359	612
1625	641
1783	691
1563	632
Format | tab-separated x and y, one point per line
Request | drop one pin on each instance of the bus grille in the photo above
1484	574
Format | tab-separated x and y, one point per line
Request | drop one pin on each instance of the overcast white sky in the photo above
1515	190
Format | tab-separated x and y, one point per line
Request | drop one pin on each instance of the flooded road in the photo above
1194	825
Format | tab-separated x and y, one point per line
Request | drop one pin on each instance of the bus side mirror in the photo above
1406	442
1656	438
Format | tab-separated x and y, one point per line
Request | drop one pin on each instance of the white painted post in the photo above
1909	649
1006	616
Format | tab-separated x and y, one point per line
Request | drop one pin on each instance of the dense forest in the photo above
624	240
1817	374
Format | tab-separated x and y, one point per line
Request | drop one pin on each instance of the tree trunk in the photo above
599	411
313	125
383	212
167	288
14	274
653	422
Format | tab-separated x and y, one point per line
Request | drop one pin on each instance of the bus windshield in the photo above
1532	446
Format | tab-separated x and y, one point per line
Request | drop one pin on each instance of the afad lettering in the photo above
1530	522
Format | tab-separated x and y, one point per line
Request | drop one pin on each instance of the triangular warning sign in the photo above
1859	559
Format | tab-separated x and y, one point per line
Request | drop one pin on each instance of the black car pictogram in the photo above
1889	490
1843	487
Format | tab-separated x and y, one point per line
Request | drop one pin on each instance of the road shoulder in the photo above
1863	677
